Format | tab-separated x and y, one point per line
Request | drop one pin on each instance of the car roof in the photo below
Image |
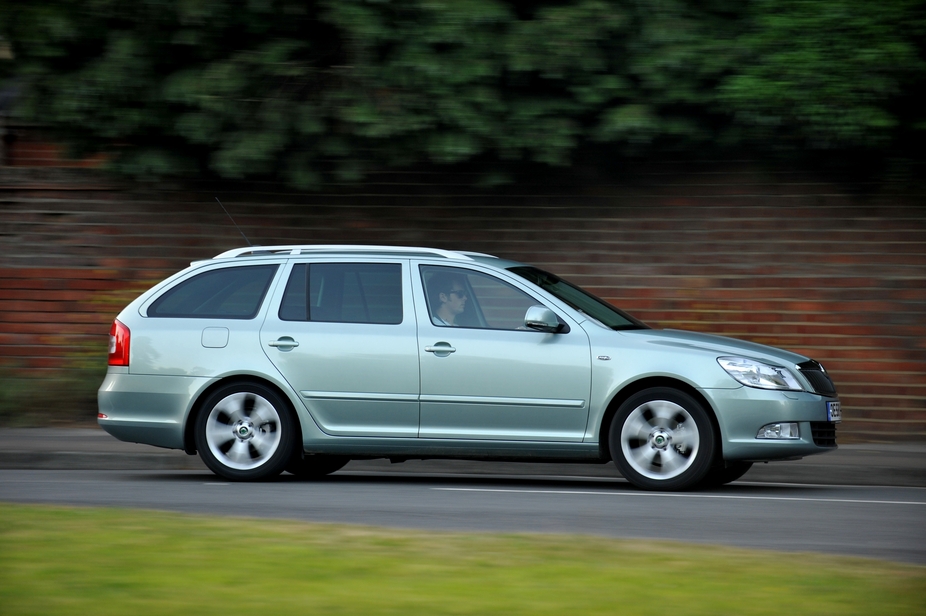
350	249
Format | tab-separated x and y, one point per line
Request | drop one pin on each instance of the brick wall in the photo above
25	148
776	257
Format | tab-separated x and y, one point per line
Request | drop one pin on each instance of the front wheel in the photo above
662	439
245	432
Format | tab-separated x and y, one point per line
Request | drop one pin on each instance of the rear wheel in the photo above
315	466
245	432
662	439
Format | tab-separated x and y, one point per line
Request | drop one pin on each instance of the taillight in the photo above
119	338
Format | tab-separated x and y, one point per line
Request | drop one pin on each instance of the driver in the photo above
447	296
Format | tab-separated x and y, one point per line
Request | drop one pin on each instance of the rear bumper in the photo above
147	409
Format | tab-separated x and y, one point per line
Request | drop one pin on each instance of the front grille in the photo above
819	379
824	433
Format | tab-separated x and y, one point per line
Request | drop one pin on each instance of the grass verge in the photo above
58	560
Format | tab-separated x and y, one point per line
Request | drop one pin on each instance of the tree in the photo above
828	75
316	90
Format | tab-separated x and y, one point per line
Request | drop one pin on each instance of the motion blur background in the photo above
752	169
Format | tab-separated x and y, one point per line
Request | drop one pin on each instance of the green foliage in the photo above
60	560
67	398
826	73
310	91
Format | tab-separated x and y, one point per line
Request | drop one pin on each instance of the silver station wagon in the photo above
302	358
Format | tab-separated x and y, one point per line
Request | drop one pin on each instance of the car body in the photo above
302	358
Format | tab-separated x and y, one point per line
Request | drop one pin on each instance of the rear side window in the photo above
229	293
344	293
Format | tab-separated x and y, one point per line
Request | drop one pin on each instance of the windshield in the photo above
578	298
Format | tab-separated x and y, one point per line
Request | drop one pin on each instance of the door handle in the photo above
440	349
284	344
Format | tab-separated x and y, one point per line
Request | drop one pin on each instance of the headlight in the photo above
754	373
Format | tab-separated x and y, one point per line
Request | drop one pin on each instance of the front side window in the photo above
228	293
460	297
579	299
344	293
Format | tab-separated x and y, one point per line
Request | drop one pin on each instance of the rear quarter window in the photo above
228	293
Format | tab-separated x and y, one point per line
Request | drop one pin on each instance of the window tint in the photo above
489	303
344	293
229	293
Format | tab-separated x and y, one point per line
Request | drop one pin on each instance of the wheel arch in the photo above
189	429
646	383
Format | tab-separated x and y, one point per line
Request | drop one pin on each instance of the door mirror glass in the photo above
542	319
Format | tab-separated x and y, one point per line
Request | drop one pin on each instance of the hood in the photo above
718	345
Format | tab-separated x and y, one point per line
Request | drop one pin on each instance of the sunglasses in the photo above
458	292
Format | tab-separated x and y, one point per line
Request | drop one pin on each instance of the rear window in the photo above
344	293
229	293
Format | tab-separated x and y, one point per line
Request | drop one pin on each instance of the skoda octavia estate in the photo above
301	358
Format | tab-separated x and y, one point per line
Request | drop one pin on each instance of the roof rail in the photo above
470	253
298	249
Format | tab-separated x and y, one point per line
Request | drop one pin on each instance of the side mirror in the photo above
542	319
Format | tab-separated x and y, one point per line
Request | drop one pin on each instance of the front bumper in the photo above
742	412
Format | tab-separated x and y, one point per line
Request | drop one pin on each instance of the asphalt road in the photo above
880	522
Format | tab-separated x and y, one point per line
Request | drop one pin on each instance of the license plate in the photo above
833	412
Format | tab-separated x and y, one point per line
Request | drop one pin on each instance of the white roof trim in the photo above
297	249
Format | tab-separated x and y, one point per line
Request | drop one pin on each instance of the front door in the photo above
344	338
485	376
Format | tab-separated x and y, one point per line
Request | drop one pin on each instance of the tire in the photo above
662	439
245	432
724	474
315	466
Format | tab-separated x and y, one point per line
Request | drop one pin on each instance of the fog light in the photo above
779	431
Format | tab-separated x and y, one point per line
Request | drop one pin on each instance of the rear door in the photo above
343	334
